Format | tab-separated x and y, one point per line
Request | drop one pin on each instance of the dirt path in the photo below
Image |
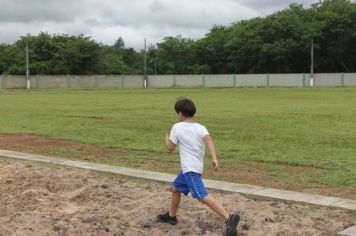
43	199
151	160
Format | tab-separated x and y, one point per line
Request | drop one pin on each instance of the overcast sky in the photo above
133	20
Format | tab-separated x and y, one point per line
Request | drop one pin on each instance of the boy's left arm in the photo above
209	141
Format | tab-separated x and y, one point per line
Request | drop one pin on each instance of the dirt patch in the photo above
251	172
293	168
38	144
44	199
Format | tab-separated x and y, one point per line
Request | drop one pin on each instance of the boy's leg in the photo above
176	196
231	220
179	186
199	192
215	206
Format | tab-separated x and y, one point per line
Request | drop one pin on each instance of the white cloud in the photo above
106	20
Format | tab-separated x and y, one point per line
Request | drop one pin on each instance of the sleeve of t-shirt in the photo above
173	135
203	132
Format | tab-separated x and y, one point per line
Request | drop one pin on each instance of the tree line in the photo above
278	43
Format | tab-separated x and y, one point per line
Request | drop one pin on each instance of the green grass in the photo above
306	136
353	215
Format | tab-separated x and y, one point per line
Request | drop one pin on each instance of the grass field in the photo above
298	139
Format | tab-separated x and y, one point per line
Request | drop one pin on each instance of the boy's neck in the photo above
188	119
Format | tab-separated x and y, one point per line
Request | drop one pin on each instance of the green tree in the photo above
119	43
337	27
211	51
110	61
278	43
176	55
3	58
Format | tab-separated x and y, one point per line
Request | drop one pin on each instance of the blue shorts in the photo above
190	182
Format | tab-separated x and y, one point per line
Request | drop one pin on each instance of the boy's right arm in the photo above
169	144
209	141
171	140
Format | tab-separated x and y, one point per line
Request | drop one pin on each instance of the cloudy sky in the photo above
133	20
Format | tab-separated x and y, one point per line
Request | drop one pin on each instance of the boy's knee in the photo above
204	200
173	190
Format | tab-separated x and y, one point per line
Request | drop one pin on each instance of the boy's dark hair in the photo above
185	106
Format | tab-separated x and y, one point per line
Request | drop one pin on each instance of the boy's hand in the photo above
216	164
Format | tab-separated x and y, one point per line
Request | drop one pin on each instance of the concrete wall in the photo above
166	81
110	81
49	81
253	80
83	81
220	80
13	82
189	80
327	80
133	81
161	81
350	79
289	80
70	81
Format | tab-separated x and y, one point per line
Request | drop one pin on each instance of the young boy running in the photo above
191	138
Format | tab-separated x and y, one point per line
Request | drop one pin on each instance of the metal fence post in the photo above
174	81
145	81
69	82
122	81
1	81
203	81
97	81
342	79
38	81
267	80
303	80
235	81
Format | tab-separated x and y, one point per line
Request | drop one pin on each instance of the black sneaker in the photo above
231	224
166	218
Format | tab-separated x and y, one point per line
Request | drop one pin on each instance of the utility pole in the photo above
28	85
145	67
312	64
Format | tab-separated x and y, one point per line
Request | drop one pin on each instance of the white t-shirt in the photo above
190	138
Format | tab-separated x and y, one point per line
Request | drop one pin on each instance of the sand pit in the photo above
43	199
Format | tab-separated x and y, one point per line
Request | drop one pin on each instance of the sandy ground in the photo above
247	173
44	199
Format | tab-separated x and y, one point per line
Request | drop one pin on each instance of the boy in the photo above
191	138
